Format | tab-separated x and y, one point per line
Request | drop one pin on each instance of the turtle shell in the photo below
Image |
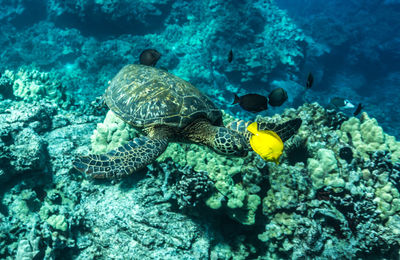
145	96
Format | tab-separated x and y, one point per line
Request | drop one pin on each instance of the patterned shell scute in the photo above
144	96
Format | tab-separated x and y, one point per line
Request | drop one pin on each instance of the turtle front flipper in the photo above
284	130
123	161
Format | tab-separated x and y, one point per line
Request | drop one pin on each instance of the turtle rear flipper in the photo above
123	161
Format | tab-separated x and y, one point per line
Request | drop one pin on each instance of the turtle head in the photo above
227	141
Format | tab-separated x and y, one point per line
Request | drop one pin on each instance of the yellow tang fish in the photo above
266	143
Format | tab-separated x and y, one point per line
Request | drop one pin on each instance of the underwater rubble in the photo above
334	194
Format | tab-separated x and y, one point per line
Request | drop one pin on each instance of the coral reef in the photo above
186	186
23	148
190	37
335	193
194	39
37	204
329	191
114	132
326	208
330	196
111	134
367	136
114	10
32	85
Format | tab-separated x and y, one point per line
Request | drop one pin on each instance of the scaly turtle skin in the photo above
166	108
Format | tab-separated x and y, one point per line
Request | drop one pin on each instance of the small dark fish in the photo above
149	57
310	80
277	97
346	154
358	110
252	102
230	56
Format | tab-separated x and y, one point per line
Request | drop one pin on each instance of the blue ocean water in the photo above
363	38
335	192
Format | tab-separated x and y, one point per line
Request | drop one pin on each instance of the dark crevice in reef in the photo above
34	11
103	26
229	231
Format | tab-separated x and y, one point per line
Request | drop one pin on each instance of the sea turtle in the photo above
166	108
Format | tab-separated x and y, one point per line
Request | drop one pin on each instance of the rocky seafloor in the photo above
335	193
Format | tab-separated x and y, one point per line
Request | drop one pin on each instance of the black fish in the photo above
230	56
358	110
252	102
310	80
346	154
277	97
149	57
